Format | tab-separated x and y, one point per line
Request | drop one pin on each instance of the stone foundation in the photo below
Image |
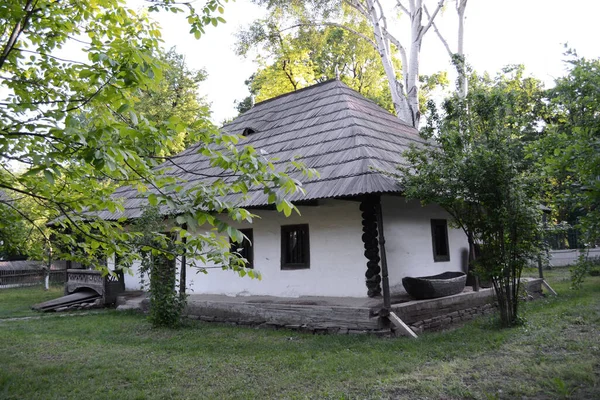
303	316
453	319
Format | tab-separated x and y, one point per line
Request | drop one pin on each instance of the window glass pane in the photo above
294	246
439	236
245	249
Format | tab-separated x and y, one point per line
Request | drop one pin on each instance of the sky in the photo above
497	33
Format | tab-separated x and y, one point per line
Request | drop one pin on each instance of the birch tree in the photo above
403	81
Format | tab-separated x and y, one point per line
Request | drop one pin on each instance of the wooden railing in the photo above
108	286
18	278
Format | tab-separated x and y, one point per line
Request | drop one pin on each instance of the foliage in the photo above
72	129
14	233
569	152
175	97
476	170
585	266
157	252
292	58
19	238
378	25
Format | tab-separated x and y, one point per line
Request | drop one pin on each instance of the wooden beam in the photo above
400	326
384	268
545	284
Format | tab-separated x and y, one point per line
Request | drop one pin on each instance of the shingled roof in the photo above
328	126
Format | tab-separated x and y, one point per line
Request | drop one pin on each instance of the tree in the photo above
403	80
305	55
176	95
14	232
569	152
73	127
476	170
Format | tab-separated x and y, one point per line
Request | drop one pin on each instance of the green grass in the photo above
18	302
111	355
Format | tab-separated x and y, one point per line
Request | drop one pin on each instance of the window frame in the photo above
435	223
249	237
285	229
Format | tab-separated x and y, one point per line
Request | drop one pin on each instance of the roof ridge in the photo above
296	91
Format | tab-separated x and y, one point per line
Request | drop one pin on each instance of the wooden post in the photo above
371	244
385	283
472	261
182	272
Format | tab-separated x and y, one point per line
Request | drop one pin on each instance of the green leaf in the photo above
49	176
123	108
152	199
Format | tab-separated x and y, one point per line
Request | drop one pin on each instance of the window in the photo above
295	253
245	249
439	237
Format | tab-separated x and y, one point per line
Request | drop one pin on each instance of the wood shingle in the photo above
328	126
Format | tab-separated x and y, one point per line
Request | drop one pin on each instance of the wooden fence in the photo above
27	273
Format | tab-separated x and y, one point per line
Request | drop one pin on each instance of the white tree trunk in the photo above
399	98
405	92
463	83
47	269
412	78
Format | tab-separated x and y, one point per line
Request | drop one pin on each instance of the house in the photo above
333	248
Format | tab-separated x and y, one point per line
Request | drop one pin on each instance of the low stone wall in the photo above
441	313
455	318
448	312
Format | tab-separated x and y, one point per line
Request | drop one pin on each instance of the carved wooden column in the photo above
369	238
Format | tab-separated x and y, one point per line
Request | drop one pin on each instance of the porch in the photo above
345	315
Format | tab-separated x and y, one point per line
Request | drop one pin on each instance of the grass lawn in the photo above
112	355
18	302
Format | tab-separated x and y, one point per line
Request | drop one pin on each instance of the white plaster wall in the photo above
409	248
561	258
133	278
337	263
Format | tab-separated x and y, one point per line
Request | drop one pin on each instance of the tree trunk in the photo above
383	47
463	84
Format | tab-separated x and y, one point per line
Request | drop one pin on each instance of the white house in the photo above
333	248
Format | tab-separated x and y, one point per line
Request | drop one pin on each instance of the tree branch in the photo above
365	37
358	7
402	7
17	30
198	173
435	29
431	17
32	222
50	56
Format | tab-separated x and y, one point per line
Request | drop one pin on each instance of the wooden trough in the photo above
432	287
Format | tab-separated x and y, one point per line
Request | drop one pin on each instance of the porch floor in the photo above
373	304
342	314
